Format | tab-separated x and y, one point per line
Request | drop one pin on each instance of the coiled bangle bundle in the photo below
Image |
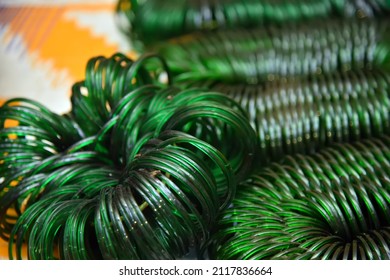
268	53
136	170
107	81
39	134
150	109
305	115
332	205
151	21
143	170
162	205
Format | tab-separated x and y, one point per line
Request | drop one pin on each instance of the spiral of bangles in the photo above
245	130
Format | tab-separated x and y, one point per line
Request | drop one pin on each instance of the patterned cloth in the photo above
44	47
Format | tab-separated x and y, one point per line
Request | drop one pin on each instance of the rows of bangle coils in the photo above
274	52
334	204
296	115
126	171
126	174
271	217
152	20
303	116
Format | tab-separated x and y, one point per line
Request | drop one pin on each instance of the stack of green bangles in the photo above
268	139
150	21
275	52
134	171
332	205
303	115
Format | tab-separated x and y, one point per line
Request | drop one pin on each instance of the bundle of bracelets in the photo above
332	205
303	115
275	52
148	168
150	21
256	137
136	170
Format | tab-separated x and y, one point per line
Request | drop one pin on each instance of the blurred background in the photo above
44	46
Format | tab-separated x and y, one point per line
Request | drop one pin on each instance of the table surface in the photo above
45	45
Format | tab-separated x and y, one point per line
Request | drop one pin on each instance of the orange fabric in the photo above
70	48
54	41
3	249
